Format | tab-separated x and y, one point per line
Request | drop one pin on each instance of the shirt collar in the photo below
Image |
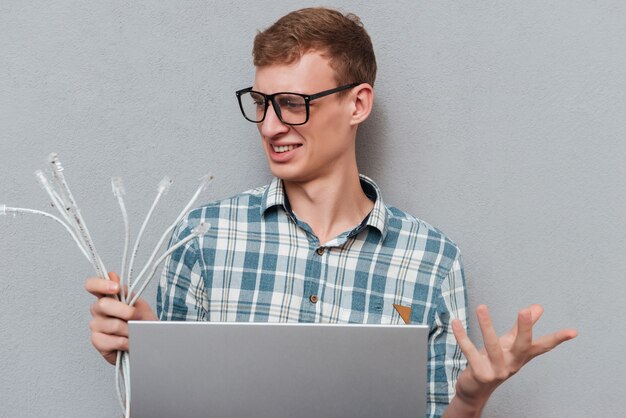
274	196
378	218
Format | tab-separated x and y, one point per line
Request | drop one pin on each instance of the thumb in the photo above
115	278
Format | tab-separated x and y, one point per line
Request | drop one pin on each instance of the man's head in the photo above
307	52
340	38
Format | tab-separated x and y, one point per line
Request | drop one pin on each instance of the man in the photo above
318	244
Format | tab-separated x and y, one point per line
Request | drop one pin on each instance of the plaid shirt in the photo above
260	263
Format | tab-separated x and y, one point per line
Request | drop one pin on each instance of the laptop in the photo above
268	370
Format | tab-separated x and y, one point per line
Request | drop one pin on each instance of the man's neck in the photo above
330	205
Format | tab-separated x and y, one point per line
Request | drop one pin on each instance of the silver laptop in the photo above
262	370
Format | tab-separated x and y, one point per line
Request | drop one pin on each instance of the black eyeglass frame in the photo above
270	98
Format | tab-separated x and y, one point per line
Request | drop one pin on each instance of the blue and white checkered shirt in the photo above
260	263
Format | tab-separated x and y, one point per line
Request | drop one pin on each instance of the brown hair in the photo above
341	38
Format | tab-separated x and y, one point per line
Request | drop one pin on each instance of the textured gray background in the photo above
500	122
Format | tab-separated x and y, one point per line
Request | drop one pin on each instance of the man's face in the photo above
322	146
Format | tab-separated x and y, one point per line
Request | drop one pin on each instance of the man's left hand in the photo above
501	357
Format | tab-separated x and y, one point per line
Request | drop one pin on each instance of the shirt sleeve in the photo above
446	360
181	293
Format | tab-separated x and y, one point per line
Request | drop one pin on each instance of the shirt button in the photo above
320	251
313	298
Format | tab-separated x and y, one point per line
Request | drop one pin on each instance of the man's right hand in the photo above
109	325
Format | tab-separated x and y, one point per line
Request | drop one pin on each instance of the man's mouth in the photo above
284	148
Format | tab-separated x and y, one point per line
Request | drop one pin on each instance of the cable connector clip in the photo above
164	185
205	180
3	209
201	229
42	180
118	186
54	160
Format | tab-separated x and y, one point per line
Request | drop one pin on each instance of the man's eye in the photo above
292	103
295	105
258	100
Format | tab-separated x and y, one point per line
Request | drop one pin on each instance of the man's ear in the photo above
363	100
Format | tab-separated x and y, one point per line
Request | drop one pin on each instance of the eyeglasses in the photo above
291	108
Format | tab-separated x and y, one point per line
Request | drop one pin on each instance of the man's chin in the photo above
290	174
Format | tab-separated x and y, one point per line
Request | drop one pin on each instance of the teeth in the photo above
284	148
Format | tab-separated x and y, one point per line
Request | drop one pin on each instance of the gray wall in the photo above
500	122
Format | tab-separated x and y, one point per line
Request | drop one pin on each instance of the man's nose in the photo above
272	124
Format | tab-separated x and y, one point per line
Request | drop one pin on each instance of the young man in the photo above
318	244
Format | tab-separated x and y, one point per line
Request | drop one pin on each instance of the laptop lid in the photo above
209	369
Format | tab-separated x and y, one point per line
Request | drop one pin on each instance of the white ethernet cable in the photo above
197	232
122	359
164	186
72	220
74	224
70	204
119	192
204	181
122	366
66	205
4	210
122	377
57	201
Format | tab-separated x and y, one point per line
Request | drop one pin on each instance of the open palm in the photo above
501	357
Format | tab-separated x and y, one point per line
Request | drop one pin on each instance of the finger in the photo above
114	277
467	347
524	338
112	308
490	337
100	287
143	311
110	326
107	343
548	342
536	312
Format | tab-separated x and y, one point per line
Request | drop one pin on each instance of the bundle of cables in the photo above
71	219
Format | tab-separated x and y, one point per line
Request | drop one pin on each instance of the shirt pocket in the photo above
384	313
379	312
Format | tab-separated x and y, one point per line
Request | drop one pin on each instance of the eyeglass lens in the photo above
290	108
